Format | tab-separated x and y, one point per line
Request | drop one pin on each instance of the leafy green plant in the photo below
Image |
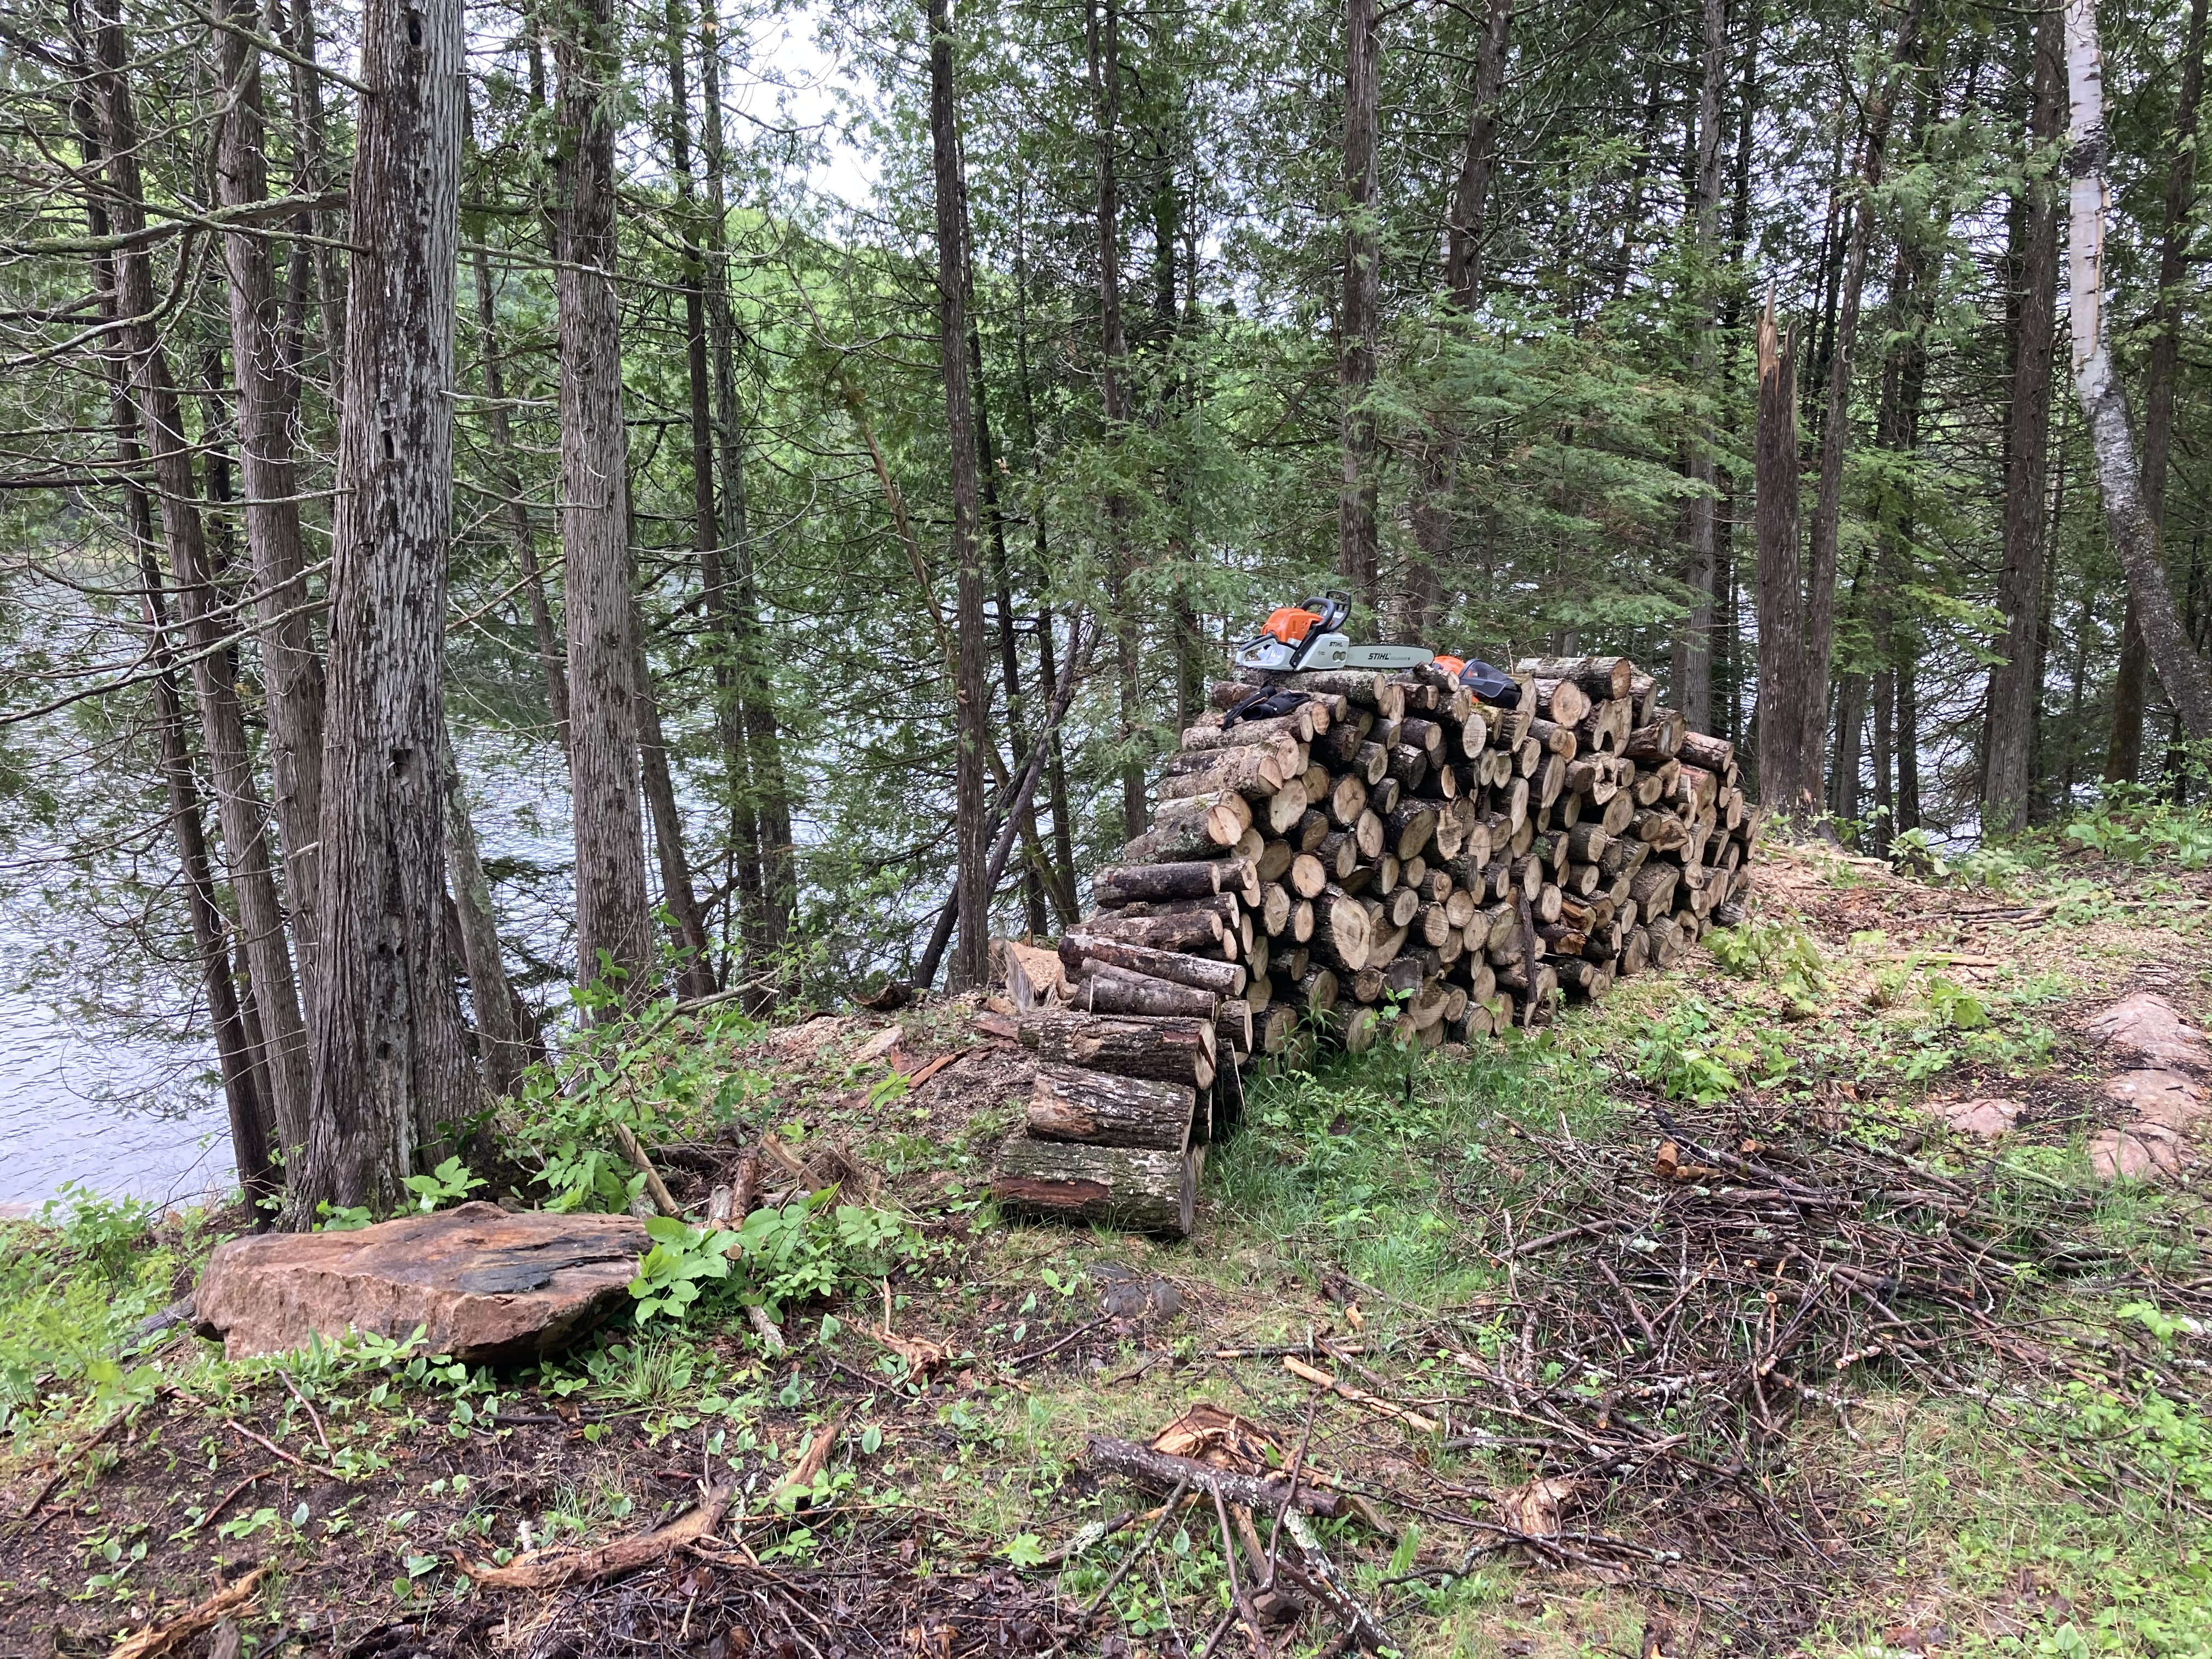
106	1232
1785	955
1913	852
449	1180
798	1254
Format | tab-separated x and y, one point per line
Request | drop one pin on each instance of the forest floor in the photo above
1688	1325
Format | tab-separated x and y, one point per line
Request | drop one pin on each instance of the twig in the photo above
307	1406
1319	1379
1115	1578
228	1499
1046	1353
662	1198
1237	1598
266	1444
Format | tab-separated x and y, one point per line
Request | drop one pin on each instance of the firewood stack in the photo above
1388	860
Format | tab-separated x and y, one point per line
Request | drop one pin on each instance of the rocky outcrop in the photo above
485	1286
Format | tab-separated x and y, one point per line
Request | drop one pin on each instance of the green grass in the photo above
1348	1166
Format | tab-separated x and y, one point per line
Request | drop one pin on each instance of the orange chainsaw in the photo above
1308	635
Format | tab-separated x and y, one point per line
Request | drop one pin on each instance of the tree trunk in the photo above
1358	317
391	1070
1478	160
2014	684
239	808
613	932
1690	672
508	476
311	145
2123	751
971	837
1819	610
1784	687
248	1111
499	1039
1103	40
694	951
2104	401
706	521
268	404
748	830
1433	513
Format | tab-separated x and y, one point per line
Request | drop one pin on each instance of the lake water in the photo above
128	1105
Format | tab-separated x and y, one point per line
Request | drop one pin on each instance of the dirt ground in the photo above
1690	1326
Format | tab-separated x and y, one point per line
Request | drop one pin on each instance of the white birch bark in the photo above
2097	383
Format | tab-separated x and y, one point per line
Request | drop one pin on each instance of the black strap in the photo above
1262	705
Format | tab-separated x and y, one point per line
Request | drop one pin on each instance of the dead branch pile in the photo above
1711	1281
722	1606
1384	855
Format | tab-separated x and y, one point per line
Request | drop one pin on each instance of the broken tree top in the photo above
1379	852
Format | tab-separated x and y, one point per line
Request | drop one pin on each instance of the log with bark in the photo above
1139	1189
1387	839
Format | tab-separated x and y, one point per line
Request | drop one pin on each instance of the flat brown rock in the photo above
2140	1151
2167	1098
2146	1025
1988	1116
485	1286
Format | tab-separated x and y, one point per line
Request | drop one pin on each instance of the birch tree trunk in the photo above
2014	684
268	404
238	804
1358	322
971	886
2104	401
390	1064
2123	751
614	940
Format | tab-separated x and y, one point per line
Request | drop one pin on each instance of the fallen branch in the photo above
662	1199
1411	1418
1161	1472
156	1639
811	1464
557	1569
1361	1624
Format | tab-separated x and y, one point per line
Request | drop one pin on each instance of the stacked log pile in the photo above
1389	859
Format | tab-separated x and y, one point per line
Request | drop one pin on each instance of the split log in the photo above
1142	1189
1343	935
1067	1102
